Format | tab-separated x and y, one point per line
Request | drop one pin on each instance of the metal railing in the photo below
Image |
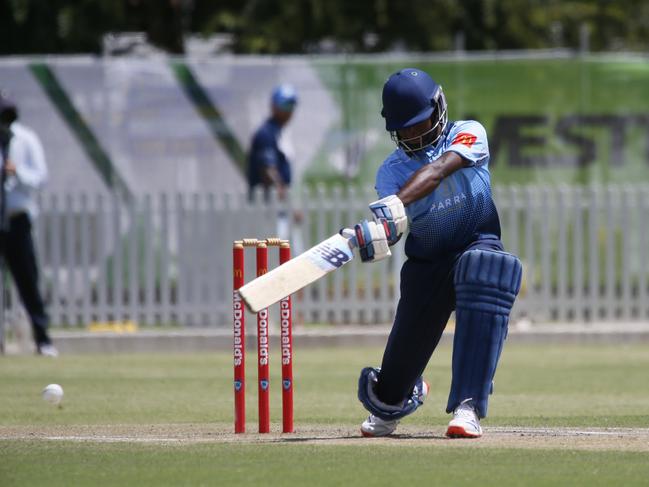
165	259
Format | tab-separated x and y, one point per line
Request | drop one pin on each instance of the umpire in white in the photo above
23	172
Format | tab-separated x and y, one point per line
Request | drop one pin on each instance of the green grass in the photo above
64	464
536	386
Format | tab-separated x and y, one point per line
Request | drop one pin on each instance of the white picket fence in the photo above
584	250
166	259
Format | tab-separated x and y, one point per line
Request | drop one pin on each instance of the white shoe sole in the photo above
455	431
370	434
367	434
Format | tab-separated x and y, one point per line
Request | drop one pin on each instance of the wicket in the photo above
263	340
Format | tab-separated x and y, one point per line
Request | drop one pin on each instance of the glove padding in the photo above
372	241
391	210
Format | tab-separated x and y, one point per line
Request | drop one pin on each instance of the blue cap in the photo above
284	97
408	98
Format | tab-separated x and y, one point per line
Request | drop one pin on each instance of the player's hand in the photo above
372	241
10	168
391	211
298	217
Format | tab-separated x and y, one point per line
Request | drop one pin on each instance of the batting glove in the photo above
389	211
372	241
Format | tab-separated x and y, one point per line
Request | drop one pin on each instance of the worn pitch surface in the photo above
610	439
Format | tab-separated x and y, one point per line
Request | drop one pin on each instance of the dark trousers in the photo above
20	257
426	303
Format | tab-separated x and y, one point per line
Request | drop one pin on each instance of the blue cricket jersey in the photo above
461	210
265	151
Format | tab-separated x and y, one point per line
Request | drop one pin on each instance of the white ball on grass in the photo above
53	394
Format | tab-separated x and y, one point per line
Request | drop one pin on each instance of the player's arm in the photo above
390	211
265	148
32	170
271	177
427	179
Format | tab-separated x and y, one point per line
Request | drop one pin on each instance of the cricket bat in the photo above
315	263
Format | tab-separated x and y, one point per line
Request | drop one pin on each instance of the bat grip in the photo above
350	235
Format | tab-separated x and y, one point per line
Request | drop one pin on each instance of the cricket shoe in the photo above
47	350
375	427
465	422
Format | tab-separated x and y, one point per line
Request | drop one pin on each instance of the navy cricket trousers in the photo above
20	256
426	303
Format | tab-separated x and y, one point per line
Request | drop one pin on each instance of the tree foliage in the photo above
299	26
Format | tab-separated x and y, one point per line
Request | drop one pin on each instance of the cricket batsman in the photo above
437	183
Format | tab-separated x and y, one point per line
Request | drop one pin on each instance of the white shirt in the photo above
26	153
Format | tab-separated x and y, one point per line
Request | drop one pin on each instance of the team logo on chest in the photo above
451	196
447	203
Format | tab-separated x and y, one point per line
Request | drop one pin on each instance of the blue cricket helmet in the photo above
284	97
411	96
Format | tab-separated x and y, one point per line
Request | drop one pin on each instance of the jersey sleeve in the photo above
386	183
469	140
32	170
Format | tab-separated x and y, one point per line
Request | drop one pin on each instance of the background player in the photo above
268	165
24	172
438	180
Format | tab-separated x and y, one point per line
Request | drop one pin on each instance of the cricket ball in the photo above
53	394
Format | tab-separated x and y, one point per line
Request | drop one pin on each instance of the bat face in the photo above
315	263
330	254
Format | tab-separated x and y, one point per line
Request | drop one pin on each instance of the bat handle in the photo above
350	235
